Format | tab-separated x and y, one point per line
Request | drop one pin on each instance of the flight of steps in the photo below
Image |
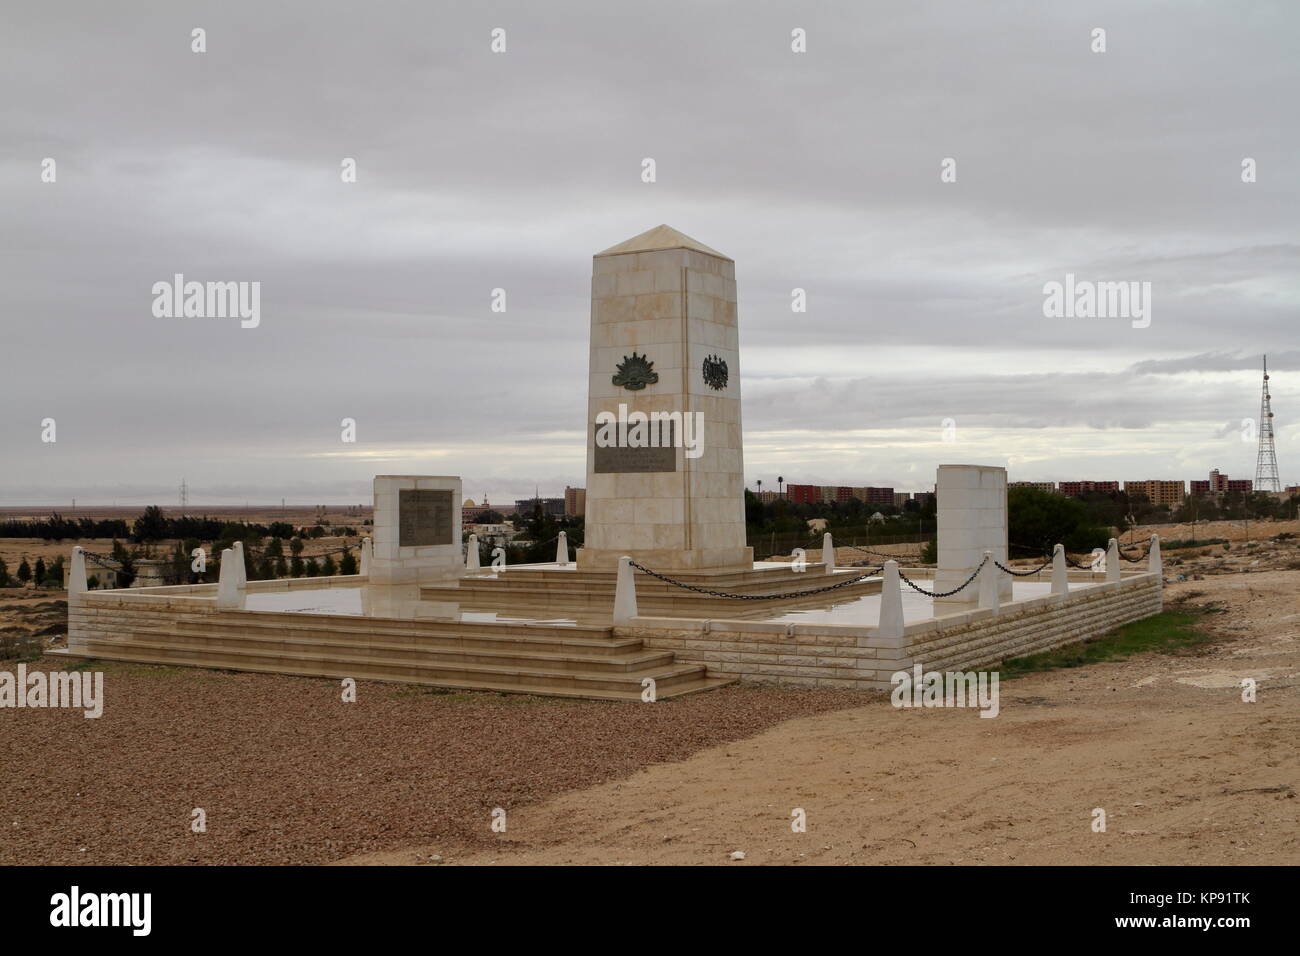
540	587
551	660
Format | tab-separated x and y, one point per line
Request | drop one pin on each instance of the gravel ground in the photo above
288	774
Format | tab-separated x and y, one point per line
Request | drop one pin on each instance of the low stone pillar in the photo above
1112	562
625	592
828	552
562	550
366	551
1154	562
891	603
471	553
77	585
1060	576
241	564
988	584
228	592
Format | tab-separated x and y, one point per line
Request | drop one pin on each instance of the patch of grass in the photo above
1169	632
20	648
1176	543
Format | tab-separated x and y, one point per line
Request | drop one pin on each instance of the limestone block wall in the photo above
119	615
856	657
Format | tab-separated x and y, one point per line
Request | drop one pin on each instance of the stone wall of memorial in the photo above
120	615
839	656
417	530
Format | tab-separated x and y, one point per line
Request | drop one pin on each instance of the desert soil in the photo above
1186	772
287	773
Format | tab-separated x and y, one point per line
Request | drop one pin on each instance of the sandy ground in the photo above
288	773
1186	772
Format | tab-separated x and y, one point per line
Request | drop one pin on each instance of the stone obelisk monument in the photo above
663	340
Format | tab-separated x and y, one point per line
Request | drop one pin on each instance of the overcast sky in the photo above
477	170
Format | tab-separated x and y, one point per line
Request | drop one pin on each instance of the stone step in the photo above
360	632
422	625
670	681
505	653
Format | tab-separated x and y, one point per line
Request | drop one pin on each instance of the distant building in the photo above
1219	485
1076	489
901	498
803	494
575	501
768	497
102	577
838	494
1158	492
497	535
875	496
525	507
1040	485
471	513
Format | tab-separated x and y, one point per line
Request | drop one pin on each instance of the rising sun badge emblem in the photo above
635	373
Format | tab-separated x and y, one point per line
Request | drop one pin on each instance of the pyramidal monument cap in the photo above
661	237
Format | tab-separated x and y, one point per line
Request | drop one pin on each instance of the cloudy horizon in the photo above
479	170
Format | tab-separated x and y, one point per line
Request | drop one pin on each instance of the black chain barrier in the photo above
1023	574
262	552
754	597
103	560
882	554
943	594
1141	556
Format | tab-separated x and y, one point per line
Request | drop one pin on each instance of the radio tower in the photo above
184	496
1266	477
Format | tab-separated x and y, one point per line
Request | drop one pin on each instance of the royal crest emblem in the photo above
715	373
635	373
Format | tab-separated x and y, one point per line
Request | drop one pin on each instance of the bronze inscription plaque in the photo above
615	459
424	517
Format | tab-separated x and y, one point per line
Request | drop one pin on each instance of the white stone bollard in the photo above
239	564
1060	576
1112	562
988	584
828	552
625	592
77	574
562	550
228	594
891	603
1154	563
367	549
471	553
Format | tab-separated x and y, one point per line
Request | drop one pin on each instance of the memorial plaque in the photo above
616	459
424	517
